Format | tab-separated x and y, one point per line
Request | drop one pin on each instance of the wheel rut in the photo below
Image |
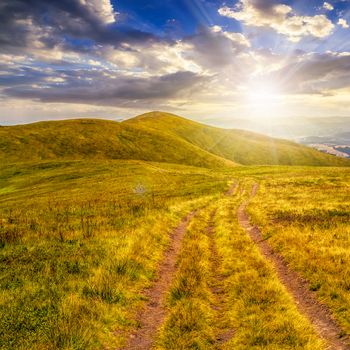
224	331
153	315
305	300
232	190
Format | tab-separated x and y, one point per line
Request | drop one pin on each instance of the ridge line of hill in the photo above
155	136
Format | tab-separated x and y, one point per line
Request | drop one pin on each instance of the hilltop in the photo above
155	136
240	146
99	139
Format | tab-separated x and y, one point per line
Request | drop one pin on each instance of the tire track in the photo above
224	332
232	190
306	301
153	315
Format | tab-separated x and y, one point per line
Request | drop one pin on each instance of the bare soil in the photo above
305	300
232	190
153	315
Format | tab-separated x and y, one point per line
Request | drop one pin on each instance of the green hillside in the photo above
155	136
242	147
99	139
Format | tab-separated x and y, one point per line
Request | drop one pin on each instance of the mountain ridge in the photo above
250	148
154	136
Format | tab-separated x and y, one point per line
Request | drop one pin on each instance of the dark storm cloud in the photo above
20	76
106	89
51	22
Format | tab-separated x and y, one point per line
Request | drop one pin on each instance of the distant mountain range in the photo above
298	128
329	135
335	139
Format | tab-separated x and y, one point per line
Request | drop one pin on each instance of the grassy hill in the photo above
155	136
239	146
99	139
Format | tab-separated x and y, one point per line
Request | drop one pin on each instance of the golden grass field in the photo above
82	241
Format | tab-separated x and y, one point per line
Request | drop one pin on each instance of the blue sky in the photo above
155	15
198	58
184	17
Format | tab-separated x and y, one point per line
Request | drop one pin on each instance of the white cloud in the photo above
216	29
237	38
343	23
279	17
94	63
103	9
209	49
327	6
149	59
55	79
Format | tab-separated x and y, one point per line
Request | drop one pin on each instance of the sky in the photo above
203	59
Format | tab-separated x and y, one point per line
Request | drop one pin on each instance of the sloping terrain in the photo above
240	146
155	136
99	139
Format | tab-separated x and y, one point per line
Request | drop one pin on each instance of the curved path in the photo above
306	301
153	315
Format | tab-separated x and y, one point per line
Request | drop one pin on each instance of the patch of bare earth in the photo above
232	190
306	301
153	315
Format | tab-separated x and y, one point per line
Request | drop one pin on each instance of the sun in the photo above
264	99
263	92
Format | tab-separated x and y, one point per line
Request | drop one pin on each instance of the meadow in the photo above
305	216
81	240
85	232
225	295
